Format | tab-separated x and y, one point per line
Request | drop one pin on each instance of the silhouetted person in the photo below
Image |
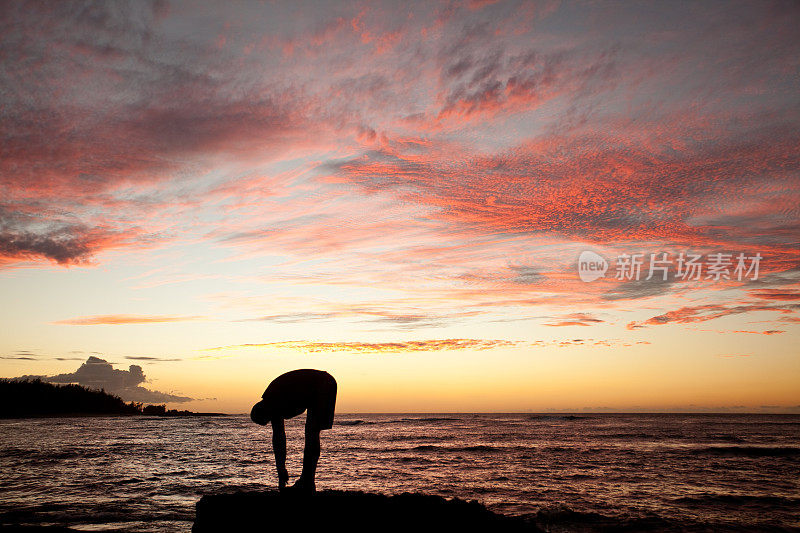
286	397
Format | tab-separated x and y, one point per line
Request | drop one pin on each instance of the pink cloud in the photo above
433	146
703	313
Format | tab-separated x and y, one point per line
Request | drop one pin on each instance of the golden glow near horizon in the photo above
401	195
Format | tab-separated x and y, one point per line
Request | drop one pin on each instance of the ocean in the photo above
567	472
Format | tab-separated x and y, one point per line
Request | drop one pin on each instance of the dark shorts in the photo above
320	413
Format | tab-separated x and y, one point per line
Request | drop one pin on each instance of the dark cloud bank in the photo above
98	373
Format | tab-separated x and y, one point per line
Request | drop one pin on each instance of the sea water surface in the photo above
567	472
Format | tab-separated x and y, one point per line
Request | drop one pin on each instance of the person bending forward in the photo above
286	397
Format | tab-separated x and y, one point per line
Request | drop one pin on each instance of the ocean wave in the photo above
249	461
562	518
421	460
421	419
751	451
38	454
353	422
117	515
727	438
412	438
558	417
127	481
581	476
645	436
463	449
209	475
736	499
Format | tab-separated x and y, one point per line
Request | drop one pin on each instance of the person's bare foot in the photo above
304	487
283	478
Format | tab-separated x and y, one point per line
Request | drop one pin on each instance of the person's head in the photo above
261	414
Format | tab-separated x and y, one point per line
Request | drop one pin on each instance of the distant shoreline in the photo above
109	415
39	399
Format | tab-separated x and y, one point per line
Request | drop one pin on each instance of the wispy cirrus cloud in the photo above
34	355
412	319
576	319
703	313
124	319
777	294
766	332
151	359
432	345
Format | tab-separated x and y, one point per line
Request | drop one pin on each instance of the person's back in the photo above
287	396
293	392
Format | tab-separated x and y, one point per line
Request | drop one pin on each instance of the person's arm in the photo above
279	448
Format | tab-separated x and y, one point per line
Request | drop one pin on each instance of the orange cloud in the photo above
703	313
433	345
777	294
124	319
767	332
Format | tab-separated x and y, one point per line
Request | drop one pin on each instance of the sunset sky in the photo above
399	193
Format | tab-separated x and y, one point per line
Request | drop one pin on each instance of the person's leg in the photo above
320	417
310	455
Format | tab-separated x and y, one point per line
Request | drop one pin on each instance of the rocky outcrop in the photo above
347	511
